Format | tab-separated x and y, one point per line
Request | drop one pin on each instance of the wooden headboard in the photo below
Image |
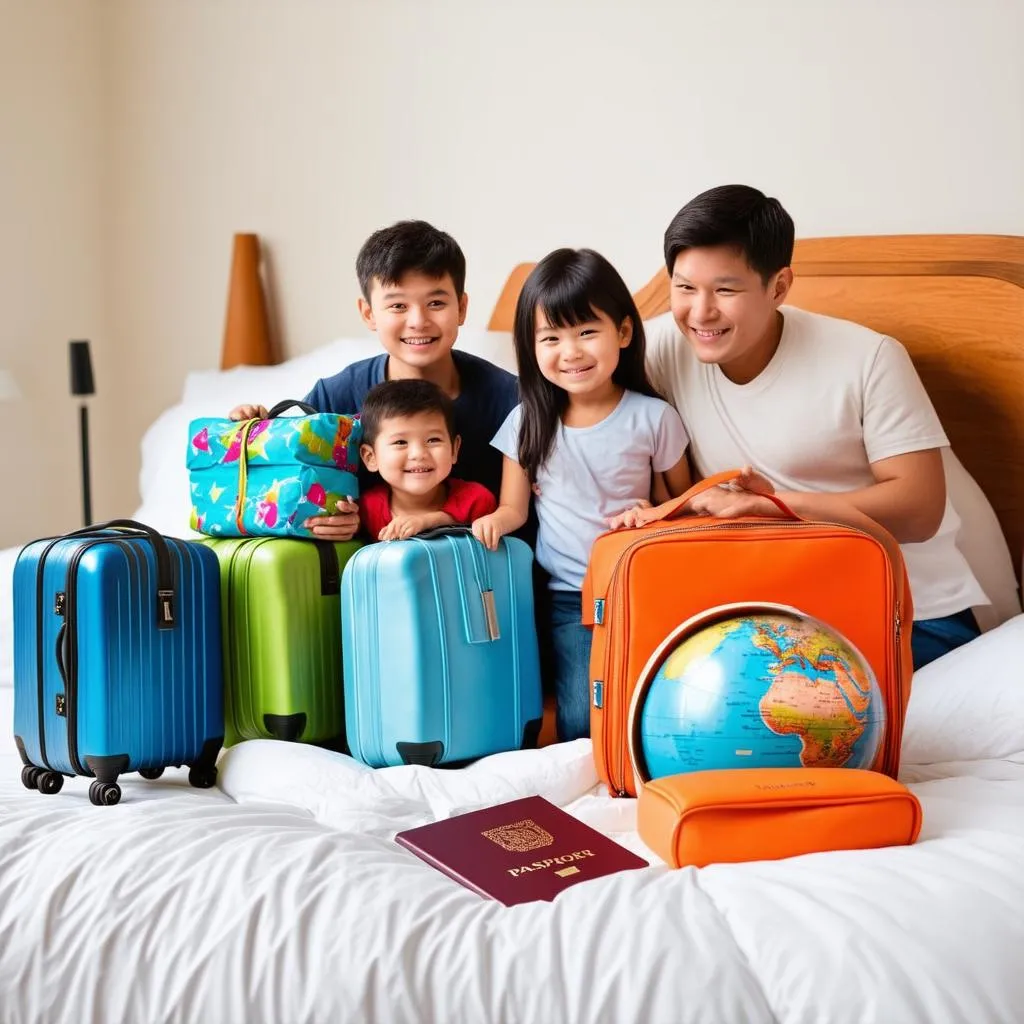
955	301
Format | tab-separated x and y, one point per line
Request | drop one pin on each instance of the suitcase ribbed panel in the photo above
420	667
360	647
153	695
283	639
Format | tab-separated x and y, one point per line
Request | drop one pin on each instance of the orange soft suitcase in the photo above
642	583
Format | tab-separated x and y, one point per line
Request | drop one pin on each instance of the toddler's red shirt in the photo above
466	501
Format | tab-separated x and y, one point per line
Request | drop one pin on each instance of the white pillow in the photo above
267	385
295	378
981	541
968	705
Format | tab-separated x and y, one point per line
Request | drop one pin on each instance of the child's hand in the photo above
402	527
248	412
339	527
487	530
631	518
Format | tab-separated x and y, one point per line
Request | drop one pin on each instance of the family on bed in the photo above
608	415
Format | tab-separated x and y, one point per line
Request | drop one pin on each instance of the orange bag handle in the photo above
674	506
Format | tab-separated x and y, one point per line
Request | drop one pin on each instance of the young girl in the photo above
590	438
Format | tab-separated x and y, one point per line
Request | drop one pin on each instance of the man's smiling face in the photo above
727	313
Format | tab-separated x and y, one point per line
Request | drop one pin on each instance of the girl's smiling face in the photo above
581	359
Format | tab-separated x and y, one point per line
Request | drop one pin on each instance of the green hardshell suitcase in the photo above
281	614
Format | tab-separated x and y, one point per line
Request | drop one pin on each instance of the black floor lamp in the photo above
82	384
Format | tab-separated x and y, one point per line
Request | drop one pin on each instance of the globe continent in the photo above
762	691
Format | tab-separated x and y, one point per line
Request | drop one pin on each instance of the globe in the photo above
761	691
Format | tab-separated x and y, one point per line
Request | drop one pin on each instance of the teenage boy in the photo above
412	277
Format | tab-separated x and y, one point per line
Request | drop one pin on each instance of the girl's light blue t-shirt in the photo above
594	473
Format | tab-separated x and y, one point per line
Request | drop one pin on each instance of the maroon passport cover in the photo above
518	851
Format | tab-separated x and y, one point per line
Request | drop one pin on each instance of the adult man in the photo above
831	414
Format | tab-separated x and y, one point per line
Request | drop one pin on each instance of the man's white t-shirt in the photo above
835	397
594	473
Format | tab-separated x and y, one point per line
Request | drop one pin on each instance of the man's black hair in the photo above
737	216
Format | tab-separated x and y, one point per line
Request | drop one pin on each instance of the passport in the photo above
519	851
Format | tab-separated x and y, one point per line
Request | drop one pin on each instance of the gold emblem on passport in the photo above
520	836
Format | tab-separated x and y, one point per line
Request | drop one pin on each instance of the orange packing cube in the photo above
743	814
641	584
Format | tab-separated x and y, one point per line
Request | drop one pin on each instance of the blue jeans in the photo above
934	637
570	650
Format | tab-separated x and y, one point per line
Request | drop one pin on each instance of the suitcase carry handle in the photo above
461	537
60	651
164	577
674	506
278	409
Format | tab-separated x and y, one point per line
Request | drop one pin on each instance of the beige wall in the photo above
51	257
516	126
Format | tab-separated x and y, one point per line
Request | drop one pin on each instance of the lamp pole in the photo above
83	433
80	365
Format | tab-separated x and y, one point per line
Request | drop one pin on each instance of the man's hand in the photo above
404	526
487	530
742	497
341	526
248	412
751	480
631	518
725	504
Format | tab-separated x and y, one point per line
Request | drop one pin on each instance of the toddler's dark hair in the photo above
403	398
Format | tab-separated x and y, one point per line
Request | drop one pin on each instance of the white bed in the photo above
280	896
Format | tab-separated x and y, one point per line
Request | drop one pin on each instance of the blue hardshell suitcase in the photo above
439	650
117	658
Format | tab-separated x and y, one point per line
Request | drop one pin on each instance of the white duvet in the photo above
281	897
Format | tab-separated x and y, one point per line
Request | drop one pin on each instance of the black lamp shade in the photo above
80	363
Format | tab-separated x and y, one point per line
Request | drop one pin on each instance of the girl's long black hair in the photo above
569	286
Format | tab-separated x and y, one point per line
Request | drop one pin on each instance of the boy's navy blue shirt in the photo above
487	394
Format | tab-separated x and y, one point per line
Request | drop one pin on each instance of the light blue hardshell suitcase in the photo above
117	658
439	650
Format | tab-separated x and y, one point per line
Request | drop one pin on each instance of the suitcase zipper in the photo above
40	660
612	696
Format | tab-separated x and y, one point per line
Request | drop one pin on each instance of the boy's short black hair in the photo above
739	216
403	398
410	245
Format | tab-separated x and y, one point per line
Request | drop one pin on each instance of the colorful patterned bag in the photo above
267	477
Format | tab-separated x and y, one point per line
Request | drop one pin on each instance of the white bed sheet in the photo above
281	896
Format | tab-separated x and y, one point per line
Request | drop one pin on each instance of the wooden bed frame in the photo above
955	301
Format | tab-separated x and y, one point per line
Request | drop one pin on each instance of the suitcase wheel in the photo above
49	782
29	775
202	777
104	794
151	773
